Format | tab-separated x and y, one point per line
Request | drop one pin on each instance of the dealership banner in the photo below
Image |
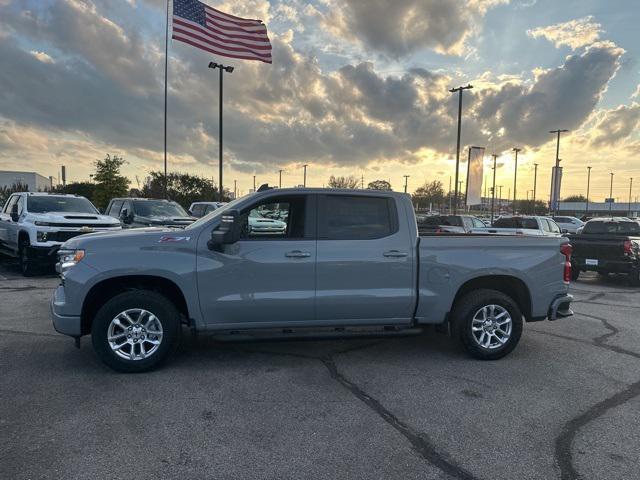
474	176
556	182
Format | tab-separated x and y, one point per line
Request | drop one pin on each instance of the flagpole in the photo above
166	68
221	192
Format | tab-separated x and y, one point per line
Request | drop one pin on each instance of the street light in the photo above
586	210
280	180
304	178
406	180
459	90
493	189
555	189
515	176
535	179
630	187
611	191
254	183
222	69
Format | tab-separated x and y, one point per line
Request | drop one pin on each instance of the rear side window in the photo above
346	217
197	210
114	211
447	220
612	228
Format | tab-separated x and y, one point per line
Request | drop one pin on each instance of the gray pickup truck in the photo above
349	263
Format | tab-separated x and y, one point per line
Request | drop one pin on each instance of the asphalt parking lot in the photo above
565	404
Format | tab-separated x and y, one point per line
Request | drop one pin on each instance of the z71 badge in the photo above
171	239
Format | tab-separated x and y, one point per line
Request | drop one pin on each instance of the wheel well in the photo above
511	286
107	289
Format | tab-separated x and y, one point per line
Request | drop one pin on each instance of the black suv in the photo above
148	212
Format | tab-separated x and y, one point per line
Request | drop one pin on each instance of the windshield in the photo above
516	222
49	203
150	208
613	228
216	213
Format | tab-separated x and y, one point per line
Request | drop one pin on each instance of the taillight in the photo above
566	249
628	250
438	230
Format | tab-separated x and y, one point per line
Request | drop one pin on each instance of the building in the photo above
33	181
600	209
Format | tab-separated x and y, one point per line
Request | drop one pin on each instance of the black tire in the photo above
462	318
158	305
575	273
27	266
634	278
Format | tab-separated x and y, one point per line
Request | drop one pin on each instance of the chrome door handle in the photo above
395	254
297	254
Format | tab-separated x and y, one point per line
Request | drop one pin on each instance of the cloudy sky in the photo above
357	87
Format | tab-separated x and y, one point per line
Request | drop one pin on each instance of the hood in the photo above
74	218
120	237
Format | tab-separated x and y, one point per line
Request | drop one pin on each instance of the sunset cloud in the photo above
573	34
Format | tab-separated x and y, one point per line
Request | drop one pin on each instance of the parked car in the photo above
568	224
350	263
148	212
522	225
448	223
200	209
259	224
608	245
34	225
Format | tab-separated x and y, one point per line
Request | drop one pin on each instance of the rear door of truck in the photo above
365	260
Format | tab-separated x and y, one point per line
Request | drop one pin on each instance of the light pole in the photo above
459	90
235	189
515	177
611	191
630	187
535	179
586	210
222	69
493	189
304	178
280	179
555	189
406	181
254	183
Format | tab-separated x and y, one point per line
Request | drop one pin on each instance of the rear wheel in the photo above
135	331
487	323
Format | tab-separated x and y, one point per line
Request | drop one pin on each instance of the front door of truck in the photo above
365	261
268	277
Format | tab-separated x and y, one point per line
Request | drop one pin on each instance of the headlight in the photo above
68	258
41	236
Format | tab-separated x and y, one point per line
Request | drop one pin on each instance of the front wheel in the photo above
27	266
135	331
487	323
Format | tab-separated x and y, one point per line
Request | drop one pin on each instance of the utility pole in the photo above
555	189
459	193
630	187
304	178
222	69
500	196
280	178
515	177
459	90
406	180
235	189
611	191
493	189
586	210
535	178
449	194
362	182
254	183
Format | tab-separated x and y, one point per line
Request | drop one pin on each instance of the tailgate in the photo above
597	246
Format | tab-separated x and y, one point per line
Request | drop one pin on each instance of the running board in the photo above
314	334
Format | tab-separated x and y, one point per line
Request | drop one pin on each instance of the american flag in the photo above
219	33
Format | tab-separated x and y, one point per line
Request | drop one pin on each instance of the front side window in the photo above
280	217
7	208
357	217
47	203
114	211
553	226
197	210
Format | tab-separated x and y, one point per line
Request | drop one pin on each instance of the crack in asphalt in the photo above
34	334
420	442
564	441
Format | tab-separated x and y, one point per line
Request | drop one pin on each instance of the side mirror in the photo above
228	231
14	213
125	216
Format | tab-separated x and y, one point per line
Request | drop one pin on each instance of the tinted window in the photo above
114	211
275	218
516	222
447	220
43	204
159	208
197	210
13	199
612	228
354	217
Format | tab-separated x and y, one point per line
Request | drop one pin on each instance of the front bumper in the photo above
65	324
560	307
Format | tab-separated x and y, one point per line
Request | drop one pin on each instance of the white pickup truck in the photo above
34	225
523	225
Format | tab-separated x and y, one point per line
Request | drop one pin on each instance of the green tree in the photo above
379	185
84	189
182	188
343	182
575	198
429	193
526	207
109	182
6	191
